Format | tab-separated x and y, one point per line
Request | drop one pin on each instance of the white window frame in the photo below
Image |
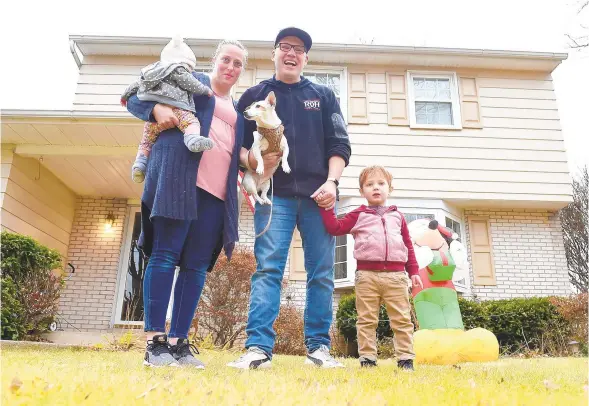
456	117
335	70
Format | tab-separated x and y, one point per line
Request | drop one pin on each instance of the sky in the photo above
38	71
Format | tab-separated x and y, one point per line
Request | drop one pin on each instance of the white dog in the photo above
268	138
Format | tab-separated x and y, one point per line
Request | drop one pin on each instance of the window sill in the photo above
341	284
435	127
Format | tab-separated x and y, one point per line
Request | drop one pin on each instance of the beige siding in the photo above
518	154
35	202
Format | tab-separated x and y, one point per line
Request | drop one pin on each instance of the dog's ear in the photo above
271	98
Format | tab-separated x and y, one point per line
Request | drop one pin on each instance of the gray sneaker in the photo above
157	353
183	355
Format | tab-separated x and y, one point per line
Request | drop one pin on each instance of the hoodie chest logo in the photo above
314	104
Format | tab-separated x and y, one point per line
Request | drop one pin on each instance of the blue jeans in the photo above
271	250
189	244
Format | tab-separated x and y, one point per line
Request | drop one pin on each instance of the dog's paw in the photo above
260	170
286	168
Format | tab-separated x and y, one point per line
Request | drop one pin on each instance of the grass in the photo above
41	376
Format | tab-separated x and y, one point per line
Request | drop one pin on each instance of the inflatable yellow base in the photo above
452	346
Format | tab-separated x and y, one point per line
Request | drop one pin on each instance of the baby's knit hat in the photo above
176	51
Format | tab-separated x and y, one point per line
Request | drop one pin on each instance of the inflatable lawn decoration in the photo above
441	338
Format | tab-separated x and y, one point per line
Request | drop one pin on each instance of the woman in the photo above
189	206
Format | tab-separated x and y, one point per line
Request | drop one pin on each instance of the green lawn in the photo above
39	376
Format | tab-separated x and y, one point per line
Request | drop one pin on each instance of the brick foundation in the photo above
529	254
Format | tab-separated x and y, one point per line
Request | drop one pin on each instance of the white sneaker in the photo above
254	358
322	358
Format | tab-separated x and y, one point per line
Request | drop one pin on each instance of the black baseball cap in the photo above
295	32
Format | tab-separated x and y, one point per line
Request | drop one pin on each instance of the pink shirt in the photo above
214	165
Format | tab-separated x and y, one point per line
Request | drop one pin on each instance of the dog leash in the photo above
271	207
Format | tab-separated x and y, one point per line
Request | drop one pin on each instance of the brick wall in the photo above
528	251
89	296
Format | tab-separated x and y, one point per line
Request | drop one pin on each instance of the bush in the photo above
541	325
574	309
12	311
30	289
222	311
290	331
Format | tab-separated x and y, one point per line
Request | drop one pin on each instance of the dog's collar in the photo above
270	132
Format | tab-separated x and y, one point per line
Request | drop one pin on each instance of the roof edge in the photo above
497	53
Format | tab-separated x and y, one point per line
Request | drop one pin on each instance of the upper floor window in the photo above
335	79
433	100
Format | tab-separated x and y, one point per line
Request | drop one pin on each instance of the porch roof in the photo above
92	155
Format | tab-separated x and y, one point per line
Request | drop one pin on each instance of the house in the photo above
472	138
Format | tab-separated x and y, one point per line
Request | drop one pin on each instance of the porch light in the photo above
110	219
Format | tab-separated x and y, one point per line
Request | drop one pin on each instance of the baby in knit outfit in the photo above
169	81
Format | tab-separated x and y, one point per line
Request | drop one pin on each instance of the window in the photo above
409	217
331	80
335	80
433	100
460	284
341	257
454	225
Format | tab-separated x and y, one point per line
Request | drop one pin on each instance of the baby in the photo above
169	81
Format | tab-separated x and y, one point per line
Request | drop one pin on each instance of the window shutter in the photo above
297	270
245	81
470	107
481	248
397	99
358	98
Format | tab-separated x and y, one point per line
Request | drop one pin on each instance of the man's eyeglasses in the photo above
284	47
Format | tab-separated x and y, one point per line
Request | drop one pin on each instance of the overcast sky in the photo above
38	71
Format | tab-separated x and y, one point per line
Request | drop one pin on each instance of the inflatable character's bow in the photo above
441	338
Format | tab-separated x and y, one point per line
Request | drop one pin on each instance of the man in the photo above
319	151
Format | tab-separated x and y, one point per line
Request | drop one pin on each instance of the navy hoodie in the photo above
314	128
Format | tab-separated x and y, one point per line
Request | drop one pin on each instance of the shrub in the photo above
574	309
528	324
222	311
539	325
290	331
12	311
32	289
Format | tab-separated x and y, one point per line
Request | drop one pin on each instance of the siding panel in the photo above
37	204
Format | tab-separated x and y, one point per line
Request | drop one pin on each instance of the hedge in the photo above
30	290
530	324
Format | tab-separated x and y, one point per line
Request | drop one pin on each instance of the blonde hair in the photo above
224	42
376	169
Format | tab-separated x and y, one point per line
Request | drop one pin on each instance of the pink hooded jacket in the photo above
381	242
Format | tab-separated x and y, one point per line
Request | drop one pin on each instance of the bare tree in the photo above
582	40
575	227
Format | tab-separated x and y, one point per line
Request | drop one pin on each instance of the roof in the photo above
331	53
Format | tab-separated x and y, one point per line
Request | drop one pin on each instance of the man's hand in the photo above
325	196
165	117
416	280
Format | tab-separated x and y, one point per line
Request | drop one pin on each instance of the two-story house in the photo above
471	136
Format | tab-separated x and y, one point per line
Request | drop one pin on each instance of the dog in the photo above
268	137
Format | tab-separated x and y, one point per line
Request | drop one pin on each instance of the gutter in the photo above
75	54
119	40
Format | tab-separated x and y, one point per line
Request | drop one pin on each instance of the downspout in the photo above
75	54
